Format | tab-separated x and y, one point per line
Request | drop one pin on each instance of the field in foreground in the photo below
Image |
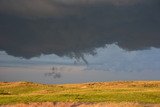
137	92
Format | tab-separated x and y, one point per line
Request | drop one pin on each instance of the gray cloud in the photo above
47	8
72	28
89	2
30	8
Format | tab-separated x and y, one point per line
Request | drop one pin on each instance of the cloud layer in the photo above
65	27
46	8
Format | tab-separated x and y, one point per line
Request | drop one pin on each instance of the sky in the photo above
101	40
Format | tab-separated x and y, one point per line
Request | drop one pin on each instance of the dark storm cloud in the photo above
66	27
29	7
44	8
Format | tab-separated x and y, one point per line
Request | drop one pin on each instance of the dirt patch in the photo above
49	104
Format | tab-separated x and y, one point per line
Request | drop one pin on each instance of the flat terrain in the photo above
134	92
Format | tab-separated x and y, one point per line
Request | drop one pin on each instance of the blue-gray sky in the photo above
110	63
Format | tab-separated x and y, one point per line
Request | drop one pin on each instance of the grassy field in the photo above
145	92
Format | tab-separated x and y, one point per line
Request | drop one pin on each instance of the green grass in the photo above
122	91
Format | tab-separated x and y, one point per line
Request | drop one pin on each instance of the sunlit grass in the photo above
123	91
